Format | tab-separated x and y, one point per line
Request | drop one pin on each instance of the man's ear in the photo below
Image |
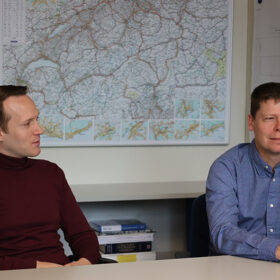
251	122
1	134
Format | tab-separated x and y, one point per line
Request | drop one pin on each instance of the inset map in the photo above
53	127
78	130
212	129
188	109
161	130
187	130
106	131
213	109
135	130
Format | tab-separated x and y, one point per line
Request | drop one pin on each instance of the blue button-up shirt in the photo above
243	204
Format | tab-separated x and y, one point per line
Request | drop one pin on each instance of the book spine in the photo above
110	228
118	228
131	257
126	247
106	228
124	238
130	227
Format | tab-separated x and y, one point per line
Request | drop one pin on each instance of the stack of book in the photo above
124	240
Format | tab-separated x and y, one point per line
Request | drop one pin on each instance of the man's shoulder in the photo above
226	167
42	163
236	153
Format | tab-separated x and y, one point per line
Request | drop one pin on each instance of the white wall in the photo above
90	165
95	165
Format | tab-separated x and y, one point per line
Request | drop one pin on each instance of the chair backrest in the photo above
199	229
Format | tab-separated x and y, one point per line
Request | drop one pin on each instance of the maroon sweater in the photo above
35	201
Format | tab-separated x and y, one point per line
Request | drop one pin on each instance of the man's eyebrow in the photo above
31	118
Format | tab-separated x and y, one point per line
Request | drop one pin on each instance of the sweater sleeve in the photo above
80	236
8	263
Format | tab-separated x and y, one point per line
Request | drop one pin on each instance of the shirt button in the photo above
266	166
273	179
271	205
271	230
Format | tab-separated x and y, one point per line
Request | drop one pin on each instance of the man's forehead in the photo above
269	106
20	106
274	100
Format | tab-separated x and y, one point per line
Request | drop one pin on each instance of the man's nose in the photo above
277	125
38	129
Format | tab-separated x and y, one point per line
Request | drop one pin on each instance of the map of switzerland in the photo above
128	72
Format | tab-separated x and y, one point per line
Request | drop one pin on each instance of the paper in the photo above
13	21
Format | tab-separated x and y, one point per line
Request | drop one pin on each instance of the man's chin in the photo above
35	153
275	152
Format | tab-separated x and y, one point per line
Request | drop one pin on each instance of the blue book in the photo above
117	225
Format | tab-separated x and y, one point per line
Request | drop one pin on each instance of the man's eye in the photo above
269	118
27	124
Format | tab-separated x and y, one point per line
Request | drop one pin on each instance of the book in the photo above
126	247
125	237
131	257
117	225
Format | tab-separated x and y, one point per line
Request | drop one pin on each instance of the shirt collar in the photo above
261	166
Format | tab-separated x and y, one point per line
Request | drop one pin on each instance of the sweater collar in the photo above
8	162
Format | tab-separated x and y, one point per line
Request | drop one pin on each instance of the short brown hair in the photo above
5	92
263	93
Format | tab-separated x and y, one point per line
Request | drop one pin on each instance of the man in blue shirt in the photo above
243	186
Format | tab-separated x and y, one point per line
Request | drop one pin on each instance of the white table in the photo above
209	268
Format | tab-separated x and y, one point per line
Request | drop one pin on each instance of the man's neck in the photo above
272	160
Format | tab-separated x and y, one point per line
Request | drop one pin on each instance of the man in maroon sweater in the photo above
35	198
